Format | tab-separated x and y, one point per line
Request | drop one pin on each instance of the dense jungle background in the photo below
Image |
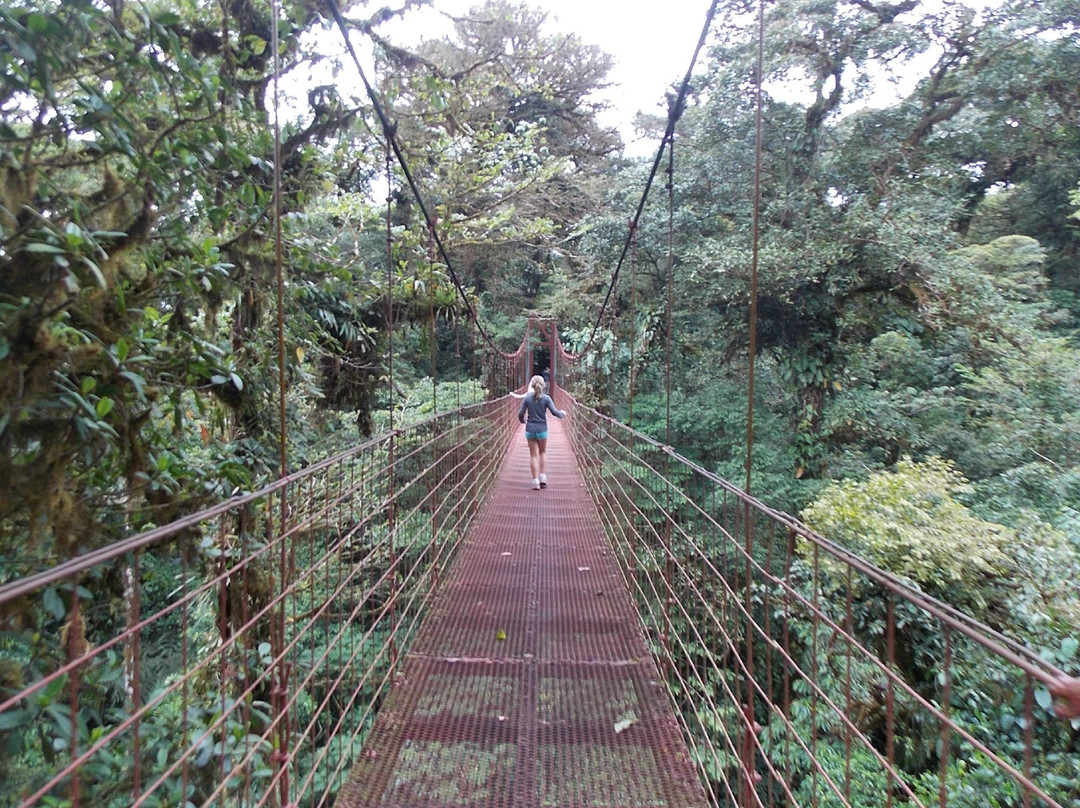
918	363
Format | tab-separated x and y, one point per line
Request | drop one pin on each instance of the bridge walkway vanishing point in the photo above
530	683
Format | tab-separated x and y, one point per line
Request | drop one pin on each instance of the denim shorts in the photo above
536	435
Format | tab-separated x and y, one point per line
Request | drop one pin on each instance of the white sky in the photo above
651	45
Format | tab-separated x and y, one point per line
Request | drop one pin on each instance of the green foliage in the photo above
970	782
858	779
910	522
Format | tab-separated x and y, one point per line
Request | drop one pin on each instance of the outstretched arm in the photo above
1066	692
555	411
521	411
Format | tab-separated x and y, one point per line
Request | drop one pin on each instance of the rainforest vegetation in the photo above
918	366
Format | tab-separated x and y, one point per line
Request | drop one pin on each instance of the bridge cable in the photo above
670	286
749	770
674	113
390	131
758	115
431	315
391	504
281	685
633	315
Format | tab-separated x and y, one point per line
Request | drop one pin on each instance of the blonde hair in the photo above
536	387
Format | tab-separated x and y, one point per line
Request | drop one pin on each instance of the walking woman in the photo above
537	403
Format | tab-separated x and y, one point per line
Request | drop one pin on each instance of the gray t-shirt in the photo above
537	411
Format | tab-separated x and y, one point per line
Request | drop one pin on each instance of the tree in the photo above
136	257
500	127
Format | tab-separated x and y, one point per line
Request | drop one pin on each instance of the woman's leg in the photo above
535	456
541	449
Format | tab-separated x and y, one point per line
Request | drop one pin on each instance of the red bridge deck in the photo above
567	710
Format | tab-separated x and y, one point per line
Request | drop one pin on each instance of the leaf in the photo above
52	602
104	406
42	247
13	719
236	380
74	234
95	270
36	22
88	384
500	635
625	723
55	688
1069	647
137	381
1044	699
299	354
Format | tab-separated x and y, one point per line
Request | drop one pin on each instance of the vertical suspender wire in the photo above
757	239
281	690
434	402
431	314
633	316
457	361
669	565
670	279
748	521
390	384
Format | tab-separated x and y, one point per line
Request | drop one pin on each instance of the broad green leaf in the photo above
13	719
52	602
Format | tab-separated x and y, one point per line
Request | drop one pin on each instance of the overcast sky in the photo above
651	42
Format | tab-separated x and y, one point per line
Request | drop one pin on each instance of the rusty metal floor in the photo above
567	710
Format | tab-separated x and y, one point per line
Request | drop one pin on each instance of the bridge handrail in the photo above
993	640
705	560
164	533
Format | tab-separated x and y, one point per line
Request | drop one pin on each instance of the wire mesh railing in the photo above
237	657
803	676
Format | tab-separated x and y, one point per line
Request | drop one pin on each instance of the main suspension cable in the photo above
390	131
674	113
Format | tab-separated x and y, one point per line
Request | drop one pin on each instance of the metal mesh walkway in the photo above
530	683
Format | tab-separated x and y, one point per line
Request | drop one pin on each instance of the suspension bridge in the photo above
407	623
410	624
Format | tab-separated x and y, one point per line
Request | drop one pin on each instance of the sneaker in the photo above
536	484
543	481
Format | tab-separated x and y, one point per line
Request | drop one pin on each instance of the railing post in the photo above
132	665
393	562
76	647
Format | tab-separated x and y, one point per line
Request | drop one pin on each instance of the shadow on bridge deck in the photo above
568	709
